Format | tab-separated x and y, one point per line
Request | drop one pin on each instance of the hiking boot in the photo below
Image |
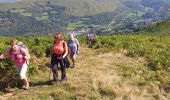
63	80
54	82
73	66
25	87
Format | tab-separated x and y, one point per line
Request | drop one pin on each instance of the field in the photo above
116	67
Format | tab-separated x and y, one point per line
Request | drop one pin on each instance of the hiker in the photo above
88	39
19	56
73	45
91	36
59	52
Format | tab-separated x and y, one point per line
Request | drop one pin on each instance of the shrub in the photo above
8	73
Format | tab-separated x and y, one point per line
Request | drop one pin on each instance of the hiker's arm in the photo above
7	55
52	52
78	46
65	49
27	56
78	49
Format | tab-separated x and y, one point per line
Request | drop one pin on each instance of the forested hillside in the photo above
160	28
102	17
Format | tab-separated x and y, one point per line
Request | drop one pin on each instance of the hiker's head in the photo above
14	44
58	36
71	36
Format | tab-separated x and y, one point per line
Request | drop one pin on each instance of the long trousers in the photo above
54	66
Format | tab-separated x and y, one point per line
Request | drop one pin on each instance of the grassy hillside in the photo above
159	28
116	67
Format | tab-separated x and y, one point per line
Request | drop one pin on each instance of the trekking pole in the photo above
50	74
29	75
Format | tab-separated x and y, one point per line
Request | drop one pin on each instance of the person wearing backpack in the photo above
59	52
73	45
20	57
88	39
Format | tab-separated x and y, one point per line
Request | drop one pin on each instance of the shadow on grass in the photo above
7	87
33	84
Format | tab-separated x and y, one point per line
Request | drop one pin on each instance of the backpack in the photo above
21	46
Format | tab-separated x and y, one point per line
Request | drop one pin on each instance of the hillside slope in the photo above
88	7
104	16
73	7
16	5
97	76
159	28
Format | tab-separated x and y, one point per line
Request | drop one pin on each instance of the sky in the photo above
9	1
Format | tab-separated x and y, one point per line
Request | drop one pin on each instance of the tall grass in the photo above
155	49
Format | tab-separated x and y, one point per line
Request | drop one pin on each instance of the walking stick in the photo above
50	74
29	75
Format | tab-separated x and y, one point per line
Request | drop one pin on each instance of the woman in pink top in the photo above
19	57
59	52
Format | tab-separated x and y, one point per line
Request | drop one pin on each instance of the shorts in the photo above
22	70
73	55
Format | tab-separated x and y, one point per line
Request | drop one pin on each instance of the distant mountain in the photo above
73	7
8	1
100	16
141	13
87	7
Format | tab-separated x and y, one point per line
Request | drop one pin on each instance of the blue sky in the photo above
9	0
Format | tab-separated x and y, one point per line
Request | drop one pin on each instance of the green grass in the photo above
42	18
26	14
153	48
75	24
18	10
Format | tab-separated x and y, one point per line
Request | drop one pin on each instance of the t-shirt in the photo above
17	56
73	45
59	47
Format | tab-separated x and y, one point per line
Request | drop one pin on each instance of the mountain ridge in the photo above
73	7
103	17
